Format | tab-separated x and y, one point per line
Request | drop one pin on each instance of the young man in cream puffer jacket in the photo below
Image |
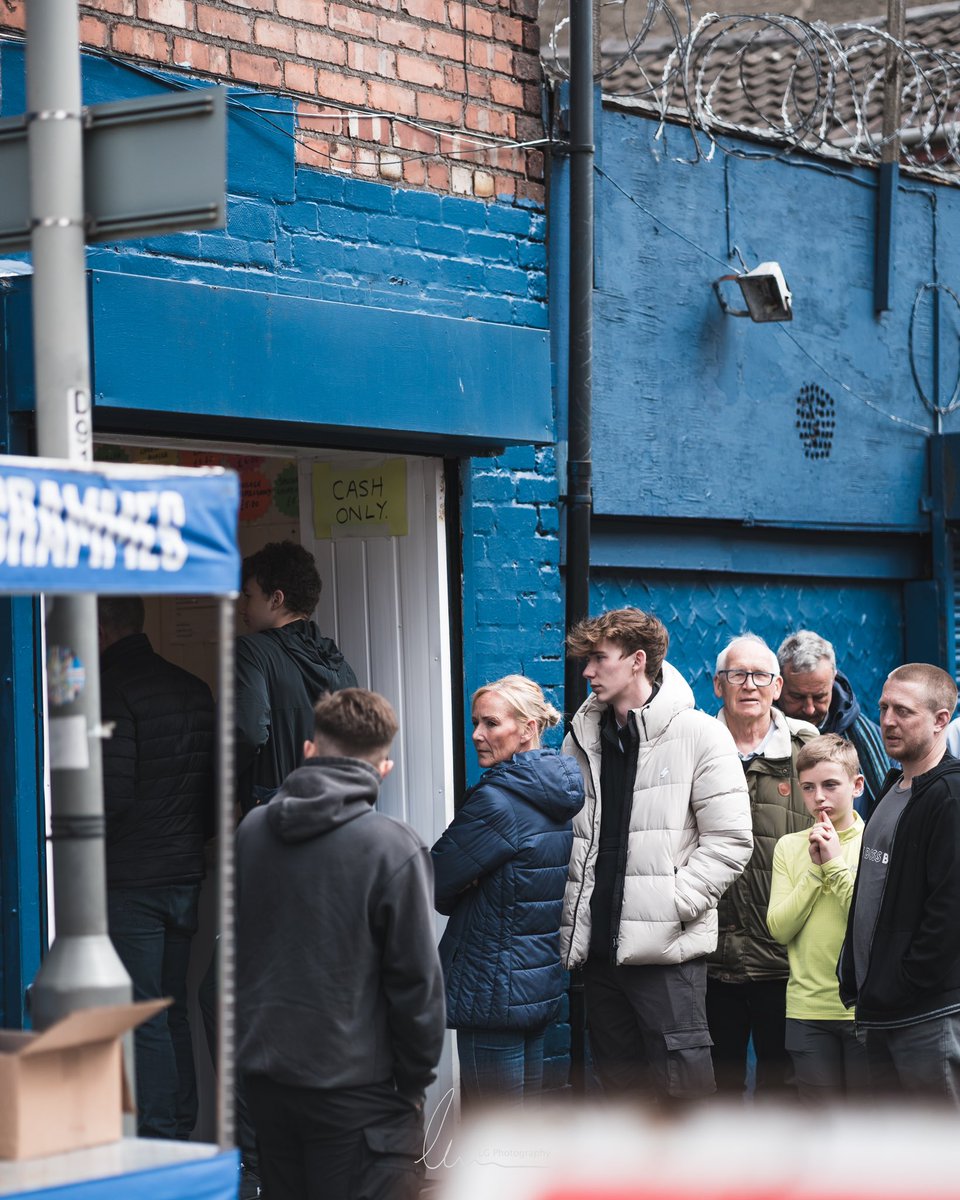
664	831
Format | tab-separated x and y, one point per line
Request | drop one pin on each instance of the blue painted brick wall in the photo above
513	592
298	231
513	608
351	241
702	613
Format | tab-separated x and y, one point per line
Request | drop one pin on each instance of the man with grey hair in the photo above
815	691
747	975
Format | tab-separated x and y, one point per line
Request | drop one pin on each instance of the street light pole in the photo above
82	968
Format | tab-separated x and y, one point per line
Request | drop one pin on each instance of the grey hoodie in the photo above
338	977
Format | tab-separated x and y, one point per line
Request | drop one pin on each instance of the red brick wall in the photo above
370	75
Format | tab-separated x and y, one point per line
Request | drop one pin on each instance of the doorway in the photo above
376	527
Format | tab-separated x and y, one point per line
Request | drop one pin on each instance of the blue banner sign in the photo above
117	529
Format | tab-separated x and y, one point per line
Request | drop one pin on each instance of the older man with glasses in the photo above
747	975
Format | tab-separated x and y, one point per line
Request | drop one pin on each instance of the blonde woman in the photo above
500	870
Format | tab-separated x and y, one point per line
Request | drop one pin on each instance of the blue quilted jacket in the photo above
500	870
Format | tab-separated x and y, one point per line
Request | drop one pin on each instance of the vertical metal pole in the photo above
580	395
580	379
226	948
82	968
942	556
889	178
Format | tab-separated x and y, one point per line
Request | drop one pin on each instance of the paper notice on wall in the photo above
366	502
191	621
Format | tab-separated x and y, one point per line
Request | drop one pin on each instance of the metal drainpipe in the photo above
82	969
889	177
579	402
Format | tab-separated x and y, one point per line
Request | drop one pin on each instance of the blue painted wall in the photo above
703	612
717	505
22	845
299	231
696	413
513	592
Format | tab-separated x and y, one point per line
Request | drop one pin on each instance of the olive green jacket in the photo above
745	950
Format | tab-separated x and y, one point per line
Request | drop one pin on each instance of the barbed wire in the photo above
783	79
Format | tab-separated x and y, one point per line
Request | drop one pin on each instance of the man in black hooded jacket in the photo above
283	667
900	960
340	1006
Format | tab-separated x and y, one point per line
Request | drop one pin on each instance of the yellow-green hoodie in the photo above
808	914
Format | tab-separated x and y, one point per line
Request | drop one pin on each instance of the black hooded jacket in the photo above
281	674
914	968
158	766
338	977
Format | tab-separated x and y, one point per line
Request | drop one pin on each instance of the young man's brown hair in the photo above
940	689
630	628
832	748
354	723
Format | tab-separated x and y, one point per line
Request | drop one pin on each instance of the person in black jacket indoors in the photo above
500	872
339	990
158	784
284	666
900	960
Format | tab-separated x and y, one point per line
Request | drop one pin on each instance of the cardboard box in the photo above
63	1089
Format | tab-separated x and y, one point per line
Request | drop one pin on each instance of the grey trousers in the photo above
648	1029
829	1060
922	1059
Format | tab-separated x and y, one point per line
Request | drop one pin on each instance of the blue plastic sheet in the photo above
117	529
214	1178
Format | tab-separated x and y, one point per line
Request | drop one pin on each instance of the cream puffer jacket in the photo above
690	832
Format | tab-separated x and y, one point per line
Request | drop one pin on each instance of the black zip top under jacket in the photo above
914	968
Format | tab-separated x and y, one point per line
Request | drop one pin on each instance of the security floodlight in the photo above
765	293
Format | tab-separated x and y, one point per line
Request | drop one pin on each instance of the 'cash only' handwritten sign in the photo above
366	501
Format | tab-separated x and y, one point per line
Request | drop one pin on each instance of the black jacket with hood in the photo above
338	977
914	968
158	766
281	674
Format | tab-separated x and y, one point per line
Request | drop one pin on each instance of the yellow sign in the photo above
365	502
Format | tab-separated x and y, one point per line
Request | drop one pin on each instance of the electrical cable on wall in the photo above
894	417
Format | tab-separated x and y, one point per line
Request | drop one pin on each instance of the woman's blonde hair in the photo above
525	698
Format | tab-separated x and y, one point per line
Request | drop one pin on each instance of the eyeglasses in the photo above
759	678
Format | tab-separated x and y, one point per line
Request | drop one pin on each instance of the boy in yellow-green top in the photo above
810	892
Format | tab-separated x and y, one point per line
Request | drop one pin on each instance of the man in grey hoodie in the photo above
283	666
340	1008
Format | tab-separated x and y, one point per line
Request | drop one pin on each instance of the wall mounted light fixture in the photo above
765	294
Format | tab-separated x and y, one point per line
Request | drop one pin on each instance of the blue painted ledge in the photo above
174	348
